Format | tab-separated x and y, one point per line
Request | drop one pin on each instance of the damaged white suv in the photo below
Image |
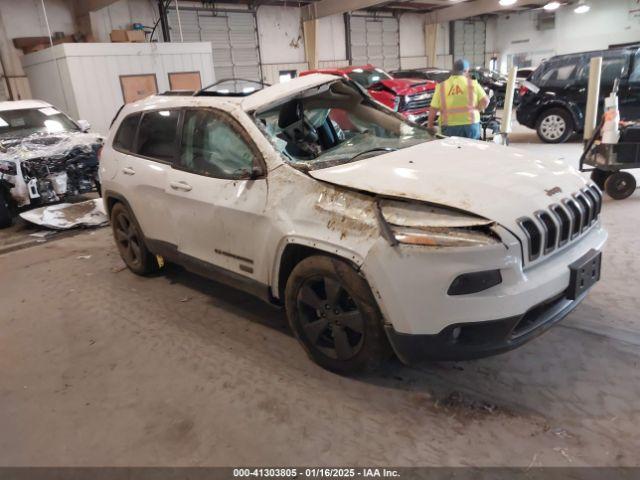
375	235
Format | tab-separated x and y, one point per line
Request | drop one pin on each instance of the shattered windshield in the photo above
336	125
366	78
23	122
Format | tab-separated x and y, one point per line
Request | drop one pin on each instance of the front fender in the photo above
332	249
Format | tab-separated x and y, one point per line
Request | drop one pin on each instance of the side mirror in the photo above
84	125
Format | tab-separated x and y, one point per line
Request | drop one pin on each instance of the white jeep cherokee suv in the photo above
375	235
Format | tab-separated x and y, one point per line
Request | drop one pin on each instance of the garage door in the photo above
469	41
223	30
374	40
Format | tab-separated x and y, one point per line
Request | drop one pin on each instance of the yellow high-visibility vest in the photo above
457	99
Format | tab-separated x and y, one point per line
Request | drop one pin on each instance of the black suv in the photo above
553	99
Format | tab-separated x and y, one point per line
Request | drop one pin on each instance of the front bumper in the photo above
466	341
417	115
411	286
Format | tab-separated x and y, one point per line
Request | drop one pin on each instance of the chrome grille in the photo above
417	101
561	222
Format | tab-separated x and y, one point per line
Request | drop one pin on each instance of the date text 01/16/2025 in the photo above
315	472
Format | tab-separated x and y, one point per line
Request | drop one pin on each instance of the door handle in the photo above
128	171
184	186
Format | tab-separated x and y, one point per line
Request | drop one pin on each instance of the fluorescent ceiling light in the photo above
506	3
552	6
582	8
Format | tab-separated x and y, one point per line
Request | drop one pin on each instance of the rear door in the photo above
219	209
144	160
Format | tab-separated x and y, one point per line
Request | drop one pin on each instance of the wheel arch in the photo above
111	198
292	250
574	111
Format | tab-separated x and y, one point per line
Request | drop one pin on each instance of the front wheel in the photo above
620	185
554	126
333	314
130	242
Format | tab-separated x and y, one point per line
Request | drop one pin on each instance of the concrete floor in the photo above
101	367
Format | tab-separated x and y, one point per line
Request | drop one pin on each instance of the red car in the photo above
409	97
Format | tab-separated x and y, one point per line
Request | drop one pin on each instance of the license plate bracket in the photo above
585	272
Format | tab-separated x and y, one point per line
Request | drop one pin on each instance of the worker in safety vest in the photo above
459	99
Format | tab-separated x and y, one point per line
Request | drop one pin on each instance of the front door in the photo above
218	203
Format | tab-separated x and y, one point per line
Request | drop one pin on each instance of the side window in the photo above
157	135
612	68
558	75
635	74
211	146
126	134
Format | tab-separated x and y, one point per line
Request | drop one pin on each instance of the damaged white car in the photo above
376	236
45	157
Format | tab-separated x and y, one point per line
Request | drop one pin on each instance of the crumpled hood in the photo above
495	182
401	86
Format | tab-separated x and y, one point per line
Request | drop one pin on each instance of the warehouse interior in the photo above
479	308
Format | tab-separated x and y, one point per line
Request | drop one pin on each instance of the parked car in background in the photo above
524	73
429	73
553	100
493	80
45	157
375	235
411	98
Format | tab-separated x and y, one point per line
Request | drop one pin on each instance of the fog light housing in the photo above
474	282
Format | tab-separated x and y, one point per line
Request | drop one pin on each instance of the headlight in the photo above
417	224
443	237
8	168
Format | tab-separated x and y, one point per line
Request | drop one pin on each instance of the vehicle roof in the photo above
347	69
594	52
251	102
279	91
22	104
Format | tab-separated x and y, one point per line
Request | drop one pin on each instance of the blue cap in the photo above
461	65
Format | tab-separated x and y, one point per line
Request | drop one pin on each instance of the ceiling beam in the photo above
471	9
324	8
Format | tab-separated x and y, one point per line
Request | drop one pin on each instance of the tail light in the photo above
523	91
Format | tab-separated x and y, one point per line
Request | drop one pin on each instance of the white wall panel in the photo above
84	78
412	41
271	71
281	39
331	39
413	62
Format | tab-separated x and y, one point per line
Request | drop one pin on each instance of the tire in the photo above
554	125
130	242
6	212
599	177
333	314
620	185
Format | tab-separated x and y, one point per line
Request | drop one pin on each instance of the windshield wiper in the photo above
371	150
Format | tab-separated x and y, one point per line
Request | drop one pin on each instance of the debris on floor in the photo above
64	216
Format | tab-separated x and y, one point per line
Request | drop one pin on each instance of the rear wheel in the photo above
6	213
333	314
130	241
554	125
620	185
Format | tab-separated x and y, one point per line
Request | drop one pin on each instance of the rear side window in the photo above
558	74
157	135
635	74
126	133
